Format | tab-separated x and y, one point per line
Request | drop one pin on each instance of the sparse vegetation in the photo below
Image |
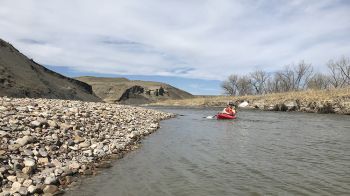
337	98
291	78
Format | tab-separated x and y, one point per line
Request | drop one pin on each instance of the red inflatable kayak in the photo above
225	116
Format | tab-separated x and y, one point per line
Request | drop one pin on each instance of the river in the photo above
259	153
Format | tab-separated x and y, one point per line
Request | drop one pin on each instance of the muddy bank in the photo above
46	144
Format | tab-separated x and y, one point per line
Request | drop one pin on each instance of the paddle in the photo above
210	117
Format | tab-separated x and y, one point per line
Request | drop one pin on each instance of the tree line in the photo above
294	77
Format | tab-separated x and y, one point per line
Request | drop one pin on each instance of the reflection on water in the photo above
260	153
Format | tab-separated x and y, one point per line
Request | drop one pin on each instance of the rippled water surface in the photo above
260	153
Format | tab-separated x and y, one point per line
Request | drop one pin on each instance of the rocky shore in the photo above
46	144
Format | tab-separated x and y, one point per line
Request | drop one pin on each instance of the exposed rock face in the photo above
22	77
45	143
131	91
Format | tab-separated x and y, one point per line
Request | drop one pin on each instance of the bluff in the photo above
22	77
127	91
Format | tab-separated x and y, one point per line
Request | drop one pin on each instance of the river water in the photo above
259	153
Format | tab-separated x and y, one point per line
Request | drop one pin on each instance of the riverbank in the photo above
46	144
314	101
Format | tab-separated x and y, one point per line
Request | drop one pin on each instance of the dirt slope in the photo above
22	77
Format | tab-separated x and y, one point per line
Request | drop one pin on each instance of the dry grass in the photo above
302	96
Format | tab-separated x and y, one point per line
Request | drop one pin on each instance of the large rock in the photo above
243	104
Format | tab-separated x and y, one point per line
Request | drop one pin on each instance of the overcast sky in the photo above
195	39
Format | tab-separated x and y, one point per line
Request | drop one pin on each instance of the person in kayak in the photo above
230	110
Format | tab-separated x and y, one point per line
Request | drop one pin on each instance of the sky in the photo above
191	44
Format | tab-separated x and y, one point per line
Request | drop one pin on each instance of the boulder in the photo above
243	104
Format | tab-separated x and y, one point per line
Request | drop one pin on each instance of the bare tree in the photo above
273	83
302	74
244	86
343	65
230	85
319	81
258	81
286	78
339	72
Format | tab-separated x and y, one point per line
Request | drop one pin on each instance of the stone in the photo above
24	140
28	152
35	124
27	183
33	189
5	192
99	152
84	144
43	160
50	180
58	172
88	153
2	152
12	178
69	179
42	152
78	139
50	189
23	191
56	163
4	133
28	170
52	124
15	187
54	136
75	148
19	178
29	162
74	165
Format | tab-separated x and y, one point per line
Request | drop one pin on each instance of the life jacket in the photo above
229	111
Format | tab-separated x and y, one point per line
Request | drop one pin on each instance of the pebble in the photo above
29	162
51	189
15	187
50	180
24	140
33	189
42	152
23	191
46	141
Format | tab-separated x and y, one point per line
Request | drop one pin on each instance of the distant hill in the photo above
22	77
132	91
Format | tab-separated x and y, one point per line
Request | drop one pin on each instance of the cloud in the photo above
207	39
